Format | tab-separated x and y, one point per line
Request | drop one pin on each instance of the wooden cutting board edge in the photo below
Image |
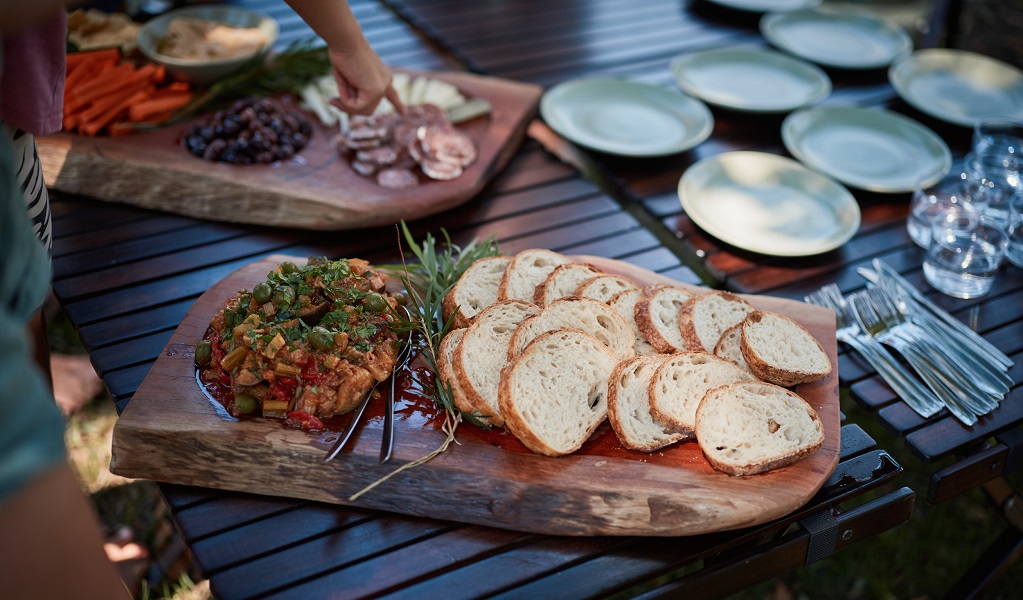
170	432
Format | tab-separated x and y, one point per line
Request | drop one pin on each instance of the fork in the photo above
915	395
868	320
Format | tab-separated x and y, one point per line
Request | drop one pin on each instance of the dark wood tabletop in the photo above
127	276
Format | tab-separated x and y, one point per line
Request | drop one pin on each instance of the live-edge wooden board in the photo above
171	432
315	190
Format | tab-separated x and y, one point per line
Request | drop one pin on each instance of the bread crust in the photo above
446	370
687	323
645	320
770	373
540	293
511	270
616	415
451	302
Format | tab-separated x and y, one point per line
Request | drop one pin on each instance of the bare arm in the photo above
362	78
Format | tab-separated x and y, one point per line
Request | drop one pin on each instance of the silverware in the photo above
356	417
915	395
387	444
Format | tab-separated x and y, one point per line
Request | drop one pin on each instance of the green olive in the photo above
203	352
262	292
283	296
288	267
245	404
375	303
400	298
320	338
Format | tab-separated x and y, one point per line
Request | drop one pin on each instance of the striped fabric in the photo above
33	189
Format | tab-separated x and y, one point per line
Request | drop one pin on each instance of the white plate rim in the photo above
843	199
771	21
791	141
688	104
746	8
901	73
679	63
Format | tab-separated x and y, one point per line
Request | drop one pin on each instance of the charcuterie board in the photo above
317	189
172	432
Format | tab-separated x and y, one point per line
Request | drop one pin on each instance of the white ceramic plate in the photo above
958	86
768	204
626	118
837	38
750	79
768	5
876	150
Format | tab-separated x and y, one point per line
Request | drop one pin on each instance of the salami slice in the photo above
365	169
397	179
446	144
440	170
381	155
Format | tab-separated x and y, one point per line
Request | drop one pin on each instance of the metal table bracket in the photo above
823	529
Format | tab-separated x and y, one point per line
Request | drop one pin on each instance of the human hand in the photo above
362	81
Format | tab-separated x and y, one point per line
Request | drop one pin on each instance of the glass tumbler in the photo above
1014	253
934	201
965	252
998	134
993	179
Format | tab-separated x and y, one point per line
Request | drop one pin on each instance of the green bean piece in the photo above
245	404
262	292
320	338
203	353
283	296
375	303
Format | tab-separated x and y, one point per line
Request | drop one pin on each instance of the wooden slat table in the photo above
127	276
555	41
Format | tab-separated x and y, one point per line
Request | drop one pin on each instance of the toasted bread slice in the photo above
554	394
527	270
679	384
586	314
628	405
781	351
476	290
624	304
562	282
704	318
749	428
446	369
728	347
604	287
483	352
657	316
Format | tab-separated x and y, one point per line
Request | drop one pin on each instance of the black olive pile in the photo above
253	130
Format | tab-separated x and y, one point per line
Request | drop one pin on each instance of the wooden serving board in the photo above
172	432
315	190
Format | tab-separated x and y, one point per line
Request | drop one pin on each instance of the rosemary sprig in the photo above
287	71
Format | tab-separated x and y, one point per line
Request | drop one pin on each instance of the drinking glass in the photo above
964	254
934	201
998	134
1014	253
993	179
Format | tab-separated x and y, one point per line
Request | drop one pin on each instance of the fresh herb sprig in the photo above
287	71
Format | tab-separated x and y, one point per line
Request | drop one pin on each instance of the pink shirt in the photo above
32	77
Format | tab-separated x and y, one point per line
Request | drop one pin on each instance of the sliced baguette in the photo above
704	318
483	352
604	287
750	428
624	304
446	369
657	316
679	384
476	290
585	314
527	270
562	282
628	405
781	351
554	394
728	347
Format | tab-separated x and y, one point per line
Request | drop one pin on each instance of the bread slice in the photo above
624	303
483	352
554	394
527	270
679	384
585	314
604	287
446	369
704	318
657	316
750	428
628	405
781	351
476	289
728	347
562	282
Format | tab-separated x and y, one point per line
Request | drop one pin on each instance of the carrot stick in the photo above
102	82
76	59
178	86
96	125
154	106
82	74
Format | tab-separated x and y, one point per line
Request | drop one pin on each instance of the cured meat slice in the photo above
381	155
440	170
396	178
364	168
447	144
